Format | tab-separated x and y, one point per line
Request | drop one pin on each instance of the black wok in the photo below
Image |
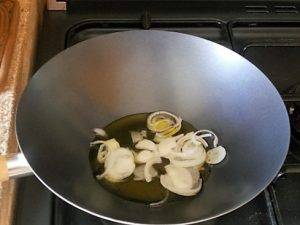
100	80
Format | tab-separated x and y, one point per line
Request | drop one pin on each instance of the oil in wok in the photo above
130	189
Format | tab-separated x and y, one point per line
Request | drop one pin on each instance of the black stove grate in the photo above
210	29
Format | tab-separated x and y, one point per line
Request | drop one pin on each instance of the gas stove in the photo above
266	33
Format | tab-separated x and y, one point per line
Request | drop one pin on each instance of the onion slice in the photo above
166	146
188	163
159	203
215	155
119	164
186	153
143	133
181	141
164	124
191	155
181	177
146	145
148	167
100	132
105	148
166	182
136	136
215	141
143	156
139	173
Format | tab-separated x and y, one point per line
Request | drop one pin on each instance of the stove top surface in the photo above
267	35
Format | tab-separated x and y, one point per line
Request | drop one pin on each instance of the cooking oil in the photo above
140	191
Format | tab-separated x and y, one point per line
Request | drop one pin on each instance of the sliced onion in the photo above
166	146
171	131
200	140
166	182
161	116
146	145
102	154
139	173
205	135
143	133
105	148
188	163
100	132
148	166
144	156
182	181
181	177
186	153
136	136
215	155
158	138
215	141
198	160
195	174
164	124
112	144
161	202
190	150
96	142
118	165
177	137
183	139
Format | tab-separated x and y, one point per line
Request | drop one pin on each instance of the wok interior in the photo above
106	78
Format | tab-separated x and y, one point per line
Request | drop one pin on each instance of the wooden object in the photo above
9	14
56	5
3	169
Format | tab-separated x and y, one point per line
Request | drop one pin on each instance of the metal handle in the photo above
13	166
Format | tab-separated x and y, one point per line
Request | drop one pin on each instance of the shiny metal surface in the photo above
103	79
17	166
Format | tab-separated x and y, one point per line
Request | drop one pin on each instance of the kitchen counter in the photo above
19	20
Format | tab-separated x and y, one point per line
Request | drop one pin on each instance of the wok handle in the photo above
13	166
